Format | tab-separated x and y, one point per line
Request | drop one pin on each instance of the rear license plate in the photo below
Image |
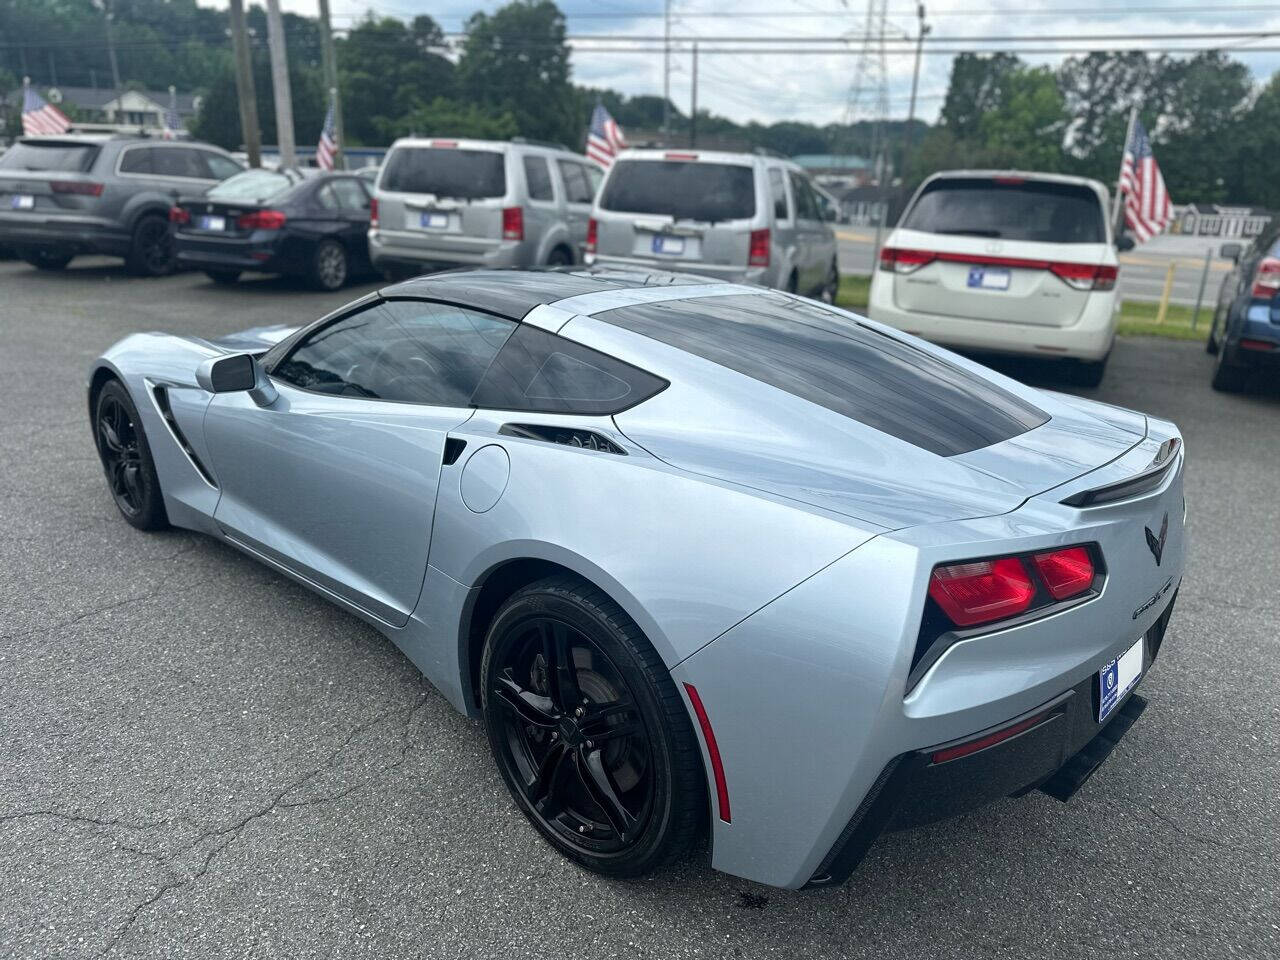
434	221
986	278
213	223
669	245
22	201
1118	677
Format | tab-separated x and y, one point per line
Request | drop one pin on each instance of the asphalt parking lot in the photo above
202	759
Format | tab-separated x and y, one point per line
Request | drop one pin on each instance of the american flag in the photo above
39	117
328	145
172	124
604	139
1147	210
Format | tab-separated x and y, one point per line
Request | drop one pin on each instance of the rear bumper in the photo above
387	249
1088	338
1062	745
1256	328
720	272
261	253
63	234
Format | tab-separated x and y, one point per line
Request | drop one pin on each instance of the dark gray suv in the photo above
66	195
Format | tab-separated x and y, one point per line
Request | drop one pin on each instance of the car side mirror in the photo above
1231	251
234	374
1124	243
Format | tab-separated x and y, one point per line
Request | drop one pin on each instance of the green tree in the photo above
1251	170
1025	130
515	60
445	117
976	88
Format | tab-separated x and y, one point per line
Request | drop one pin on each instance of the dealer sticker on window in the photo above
1117	678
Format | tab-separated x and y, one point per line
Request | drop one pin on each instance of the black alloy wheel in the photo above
831	289
598	755
126	459
151	251
329	265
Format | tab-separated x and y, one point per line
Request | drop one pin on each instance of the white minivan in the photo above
1004	261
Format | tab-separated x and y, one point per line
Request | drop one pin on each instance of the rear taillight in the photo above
896	260
513	223
178	215
261	220
1266	280
1085	276
373	212
758	251
1066	573
593	234
1257	345
982	591
80	187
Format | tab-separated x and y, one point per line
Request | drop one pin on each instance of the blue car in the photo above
1245	334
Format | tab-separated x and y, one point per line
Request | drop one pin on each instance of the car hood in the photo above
253	340
845	467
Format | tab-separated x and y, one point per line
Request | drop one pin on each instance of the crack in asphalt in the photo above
224	836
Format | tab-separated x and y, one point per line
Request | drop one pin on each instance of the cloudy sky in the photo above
814	87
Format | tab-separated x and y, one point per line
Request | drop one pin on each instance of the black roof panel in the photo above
513	293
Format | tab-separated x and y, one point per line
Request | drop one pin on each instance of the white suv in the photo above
1004	261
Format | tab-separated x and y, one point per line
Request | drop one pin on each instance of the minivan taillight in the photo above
758	251
593	234
1266	280
513	223
178	215
261	220
1085	276
896	260
373	212
80	187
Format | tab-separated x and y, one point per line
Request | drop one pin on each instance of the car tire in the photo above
1089	373
226	277
1228	377
46	259
330	265
151	248
126	458
560	257
831	289
793	282
618	790
1211	342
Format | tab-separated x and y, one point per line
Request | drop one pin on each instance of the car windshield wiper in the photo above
971	232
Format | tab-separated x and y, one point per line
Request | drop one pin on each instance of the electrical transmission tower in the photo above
868	98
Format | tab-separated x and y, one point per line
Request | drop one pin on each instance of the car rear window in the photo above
446	172
839	364
49	155
253	186
682	189
1009	209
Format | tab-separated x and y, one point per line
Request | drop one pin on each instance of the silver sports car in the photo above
703	558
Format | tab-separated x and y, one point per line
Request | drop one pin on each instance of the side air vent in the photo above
453	447
162	404
567	436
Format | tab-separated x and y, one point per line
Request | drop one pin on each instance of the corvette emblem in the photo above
1156	543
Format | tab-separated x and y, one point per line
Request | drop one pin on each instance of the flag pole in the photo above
1118	203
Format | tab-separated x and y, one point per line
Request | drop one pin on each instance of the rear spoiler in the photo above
1138	484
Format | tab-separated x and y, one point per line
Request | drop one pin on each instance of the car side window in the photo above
595	177
539	372
219	166
136	160
778	191
577	187
326	199
178	162
411	351
806	202
350	195
538	178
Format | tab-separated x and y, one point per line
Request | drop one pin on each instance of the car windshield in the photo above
446	172
55	155
1009	208
253	186
682	189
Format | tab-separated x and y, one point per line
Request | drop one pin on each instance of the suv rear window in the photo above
1010	209
49	155
445	172
839	364
681	189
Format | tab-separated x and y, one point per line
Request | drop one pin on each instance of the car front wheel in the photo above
126	459
589	731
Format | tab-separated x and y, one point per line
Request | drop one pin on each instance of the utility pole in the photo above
280	85
245	92
111	48
666	69
329	64
693	101
921	33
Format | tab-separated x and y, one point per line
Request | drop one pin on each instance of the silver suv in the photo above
734	216
65	195
485	203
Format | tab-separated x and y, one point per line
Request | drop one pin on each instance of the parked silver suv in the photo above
734	216
487	203
65	195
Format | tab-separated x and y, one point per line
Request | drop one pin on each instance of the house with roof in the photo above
99	110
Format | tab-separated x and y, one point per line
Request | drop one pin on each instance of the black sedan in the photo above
276	221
